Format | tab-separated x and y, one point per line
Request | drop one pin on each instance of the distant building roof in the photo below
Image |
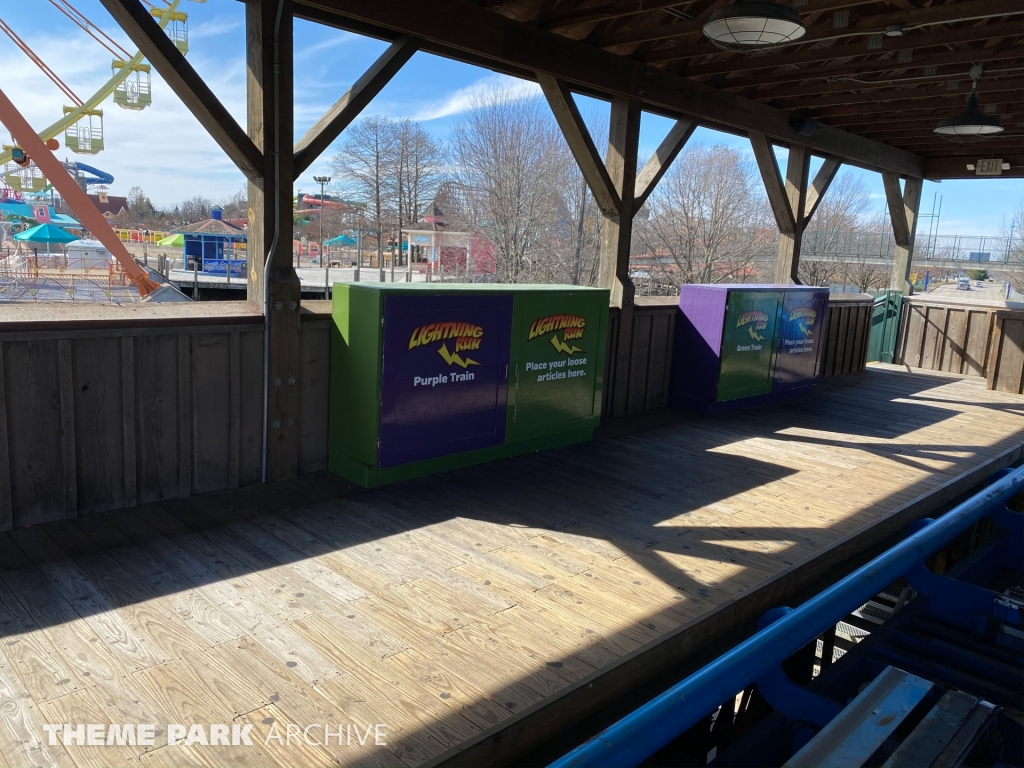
240	223
109	205
211	227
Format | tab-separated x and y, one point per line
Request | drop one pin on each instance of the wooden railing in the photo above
104	407
970	339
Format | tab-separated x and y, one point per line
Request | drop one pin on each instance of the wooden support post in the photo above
798	169
617	236
822	181
270	113
903	208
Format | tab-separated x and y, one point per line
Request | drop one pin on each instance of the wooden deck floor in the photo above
447	607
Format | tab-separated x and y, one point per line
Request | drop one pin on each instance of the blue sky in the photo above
164	150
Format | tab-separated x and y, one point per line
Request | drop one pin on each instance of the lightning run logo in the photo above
804	318
464	336
572	327
755	320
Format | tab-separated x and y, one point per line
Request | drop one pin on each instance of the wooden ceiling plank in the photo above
832	98
969	55
911	41
882	90
949	13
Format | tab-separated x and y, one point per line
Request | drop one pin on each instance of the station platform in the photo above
470	614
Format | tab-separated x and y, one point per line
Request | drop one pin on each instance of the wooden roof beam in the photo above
822	181
774	186
470	32
567	115
187	85
658	163
607	12
883	111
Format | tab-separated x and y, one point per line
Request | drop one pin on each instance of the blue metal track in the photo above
654	725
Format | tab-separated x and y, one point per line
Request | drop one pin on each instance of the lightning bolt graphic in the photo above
754	334
561	346
454	359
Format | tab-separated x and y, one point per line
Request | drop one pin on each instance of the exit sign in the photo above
989	167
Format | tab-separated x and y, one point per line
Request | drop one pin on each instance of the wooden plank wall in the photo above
974	340
845	335
110	417
1006	373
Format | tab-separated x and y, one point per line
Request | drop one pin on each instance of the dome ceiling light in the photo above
969	125
754	25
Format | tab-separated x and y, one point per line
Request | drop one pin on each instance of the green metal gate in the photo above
885	323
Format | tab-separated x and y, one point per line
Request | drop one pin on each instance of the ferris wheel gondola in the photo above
82	122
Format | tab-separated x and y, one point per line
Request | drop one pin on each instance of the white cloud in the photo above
336	40
463	99
213	28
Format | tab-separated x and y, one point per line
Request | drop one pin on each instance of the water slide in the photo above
94	175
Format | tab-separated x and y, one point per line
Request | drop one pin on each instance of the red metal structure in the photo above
86	212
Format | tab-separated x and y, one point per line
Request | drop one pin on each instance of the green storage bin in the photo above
427	377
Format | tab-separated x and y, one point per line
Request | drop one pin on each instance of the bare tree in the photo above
366	164
832	231
704	223
505	146
139	206
869	277
825	273
419	164
194	209
575	252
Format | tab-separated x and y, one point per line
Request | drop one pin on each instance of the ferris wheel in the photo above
81	124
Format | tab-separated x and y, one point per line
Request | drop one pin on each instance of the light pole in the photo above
323	181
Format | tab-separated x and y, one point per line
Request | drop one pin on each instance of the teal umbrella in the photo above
45	233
